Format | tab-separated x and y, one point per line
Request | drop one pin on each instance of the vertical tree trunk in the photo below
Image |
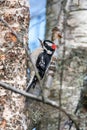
52	16
76	34
13	62
77	38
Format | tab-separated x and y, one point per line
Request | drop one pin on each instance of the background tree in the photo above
69	19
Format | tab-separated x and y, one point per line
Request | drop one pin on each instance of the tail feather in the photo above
32	83
29	87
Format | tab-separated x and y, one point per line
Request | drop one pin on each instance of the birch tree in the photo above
74	35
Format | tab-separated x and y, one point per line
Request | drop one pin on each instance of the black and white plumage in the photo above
42	62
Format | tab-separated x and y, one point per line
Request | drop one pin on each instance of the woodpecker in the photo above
42	61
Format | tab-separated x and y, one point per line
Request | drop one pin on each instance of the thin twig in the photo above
80	9
63	5
36	72
39	99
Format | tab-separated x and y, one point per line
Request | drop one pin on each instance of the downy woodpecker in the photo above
43	61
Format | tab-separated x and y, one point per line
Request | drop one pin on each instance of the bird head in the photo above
49	46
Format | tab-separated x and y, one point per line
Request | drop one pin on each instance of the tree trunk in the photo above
14	17
75	32
76	36
52	16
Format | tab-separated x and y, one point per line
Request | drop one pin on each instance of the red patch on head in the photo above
54	46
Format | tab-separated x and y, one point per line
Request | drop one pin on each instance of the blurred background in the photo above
37	23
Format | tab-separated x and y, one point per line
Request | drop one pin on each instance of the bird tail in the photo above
32	83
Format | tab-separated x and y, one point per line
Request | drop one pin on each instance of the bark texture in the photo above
52	16
13	62
76	36
75	67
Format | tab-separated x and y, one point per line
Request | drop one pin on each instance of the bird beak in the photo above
41	42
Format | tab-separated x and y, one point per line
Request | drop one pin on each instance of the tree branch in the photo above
39	99
63	7
80	9
36	72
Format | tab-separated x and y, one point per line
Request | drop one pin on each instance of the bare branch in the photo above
39	99
36	72
80	9
63	7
